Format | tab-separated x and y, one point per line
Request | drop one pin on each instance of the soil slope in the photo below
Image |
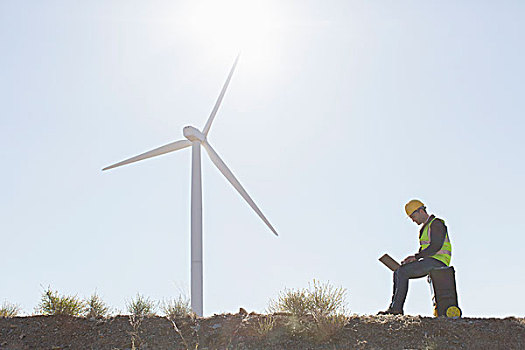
251	331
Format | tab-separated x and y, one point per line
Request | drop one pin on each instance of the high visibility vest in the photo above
445	253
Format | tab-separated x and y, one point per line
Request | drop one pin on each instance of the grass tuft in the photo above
9	310
141	306
264	325
96	307
52	303
317	300
295	302
318	312
177	308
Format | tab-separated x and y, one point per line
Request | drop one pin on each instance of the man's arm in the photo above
438	230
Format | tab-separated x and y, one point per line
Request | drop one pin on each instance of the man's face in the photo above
418	216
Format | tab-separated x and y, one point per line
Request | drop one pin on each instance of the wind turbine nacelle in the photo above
193	134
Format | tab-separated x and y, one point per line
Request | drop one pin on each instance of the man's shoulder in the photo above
438	223
438	220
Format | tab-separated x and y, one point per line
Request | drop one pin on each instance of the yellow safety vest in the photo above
445	253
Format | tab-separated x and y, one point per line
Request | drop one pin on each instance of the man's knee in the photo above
401	272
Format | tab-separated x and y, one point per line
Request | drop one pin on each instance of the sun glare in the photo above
233	25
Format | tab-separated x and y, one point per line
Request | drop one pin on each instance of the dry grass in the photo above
177	308
9	310
141	306
317	312
96	307
319	299
52	303
264	325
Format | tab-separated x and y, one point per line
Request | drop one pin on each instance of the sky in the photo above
338	113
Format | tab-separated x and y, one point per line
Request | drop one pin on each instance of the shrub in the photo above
177	308
9	310
264	325
295	302
141	306
96	307
327	300
317	301
52	303
318	311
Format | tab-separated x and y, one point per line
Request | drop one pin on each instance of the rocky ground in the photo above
251	331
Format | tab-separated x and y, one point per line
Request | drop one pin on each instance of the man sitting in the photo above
435	251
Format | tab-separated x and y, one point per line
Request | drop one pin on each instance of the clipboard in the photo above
389	262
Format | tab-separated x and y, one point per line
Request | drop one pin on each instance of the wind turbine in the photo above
195	139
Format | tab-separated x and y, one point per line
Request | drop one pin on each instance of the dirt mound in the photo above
254	331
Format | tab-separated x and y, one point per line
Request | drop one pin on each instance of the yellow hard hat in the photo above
412	206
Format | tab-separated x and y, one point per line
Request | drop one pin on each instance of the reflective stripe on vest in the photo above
445	253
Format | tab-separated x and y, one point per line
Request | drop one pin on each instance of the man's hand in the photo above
408	259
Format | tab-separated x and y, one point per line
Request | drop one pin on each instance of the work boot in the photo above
390	311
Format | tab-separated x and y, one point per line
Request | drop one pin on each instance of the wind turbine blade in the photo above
219	100
170	147
229	175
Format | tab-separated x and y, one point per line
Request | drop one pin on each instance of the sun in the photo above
233	25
